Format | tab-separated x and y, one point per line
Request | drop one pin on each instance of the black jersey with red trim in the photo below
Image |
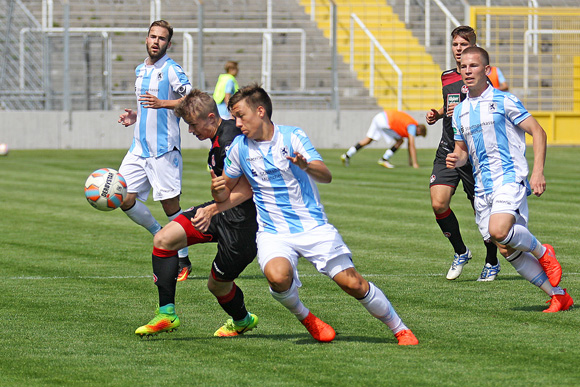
245	213
454	91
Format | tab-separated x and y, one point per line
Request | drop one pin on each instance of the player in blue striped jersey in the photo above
154	158
282	168
489	130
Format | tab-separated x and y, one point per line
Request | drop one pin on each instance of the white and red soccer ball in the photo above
105	189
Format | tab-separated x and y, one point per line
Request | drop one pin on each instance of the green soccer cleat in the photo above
230	329
162	322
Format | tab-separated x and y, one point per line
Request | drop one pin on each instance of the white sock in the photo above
388	154
141	215
291	301
351	151
520	238
528	267
379	306
183	252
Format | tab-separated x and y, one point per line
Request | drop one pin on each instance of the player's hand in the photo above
432	116
450	109
202	219
128	118
149	101
451	160
218	183
538	183
298	160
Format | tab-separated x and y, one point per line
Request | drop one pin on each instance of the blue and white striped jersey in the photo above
157	130
488	125
286	198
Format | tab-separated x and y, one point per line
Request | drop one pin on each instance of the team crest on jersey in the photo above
213	160
254	173
464	89
492	107
160	76
284	151
433	177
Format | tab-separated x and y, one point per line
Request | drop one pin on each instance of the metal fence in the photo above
541	60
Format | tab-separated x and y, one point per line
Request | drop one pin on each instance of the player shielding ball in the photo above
283	168
234	230
490	127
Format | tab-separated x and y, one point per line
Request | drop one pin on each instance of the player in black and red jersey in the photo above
444	181
234	230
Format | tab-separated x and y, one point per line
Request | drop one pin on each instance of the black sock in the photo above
491	256
165	270
233	303
184	261
450	226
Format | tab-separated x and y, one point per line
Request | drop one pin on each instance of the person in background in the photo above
225	87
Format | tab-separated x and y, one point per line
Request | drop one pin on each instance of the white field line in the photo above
121	277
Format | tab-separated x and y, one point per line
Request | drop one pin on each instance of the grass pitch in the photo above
76	282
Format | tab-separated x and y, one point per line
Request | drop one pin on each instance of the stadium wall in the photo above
100	130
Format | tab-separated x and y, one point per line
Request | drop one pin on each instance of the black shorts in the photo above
236	243
441	175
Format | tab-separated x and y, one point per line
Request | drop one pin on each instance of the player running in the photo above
444	181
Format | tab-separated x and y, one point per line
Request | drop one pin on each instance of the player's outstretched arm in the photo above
412	152
539	141
458	157
315	169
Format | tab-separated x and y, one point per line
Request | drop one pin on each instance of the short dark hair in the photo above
163	24
478	50
466	32
255	96
198	103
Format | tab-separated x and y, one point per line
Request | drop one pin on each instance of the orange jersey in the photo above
494	77
399	121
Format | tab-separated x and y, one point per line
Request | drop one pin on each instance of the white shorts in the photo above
380	129
510	198
322	246
162	173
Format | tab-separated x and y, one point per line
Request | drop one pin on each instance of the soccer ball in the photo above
105	189
3	149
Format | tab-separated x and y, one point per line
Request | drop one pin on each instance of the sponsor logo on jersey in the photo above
453	98
228	161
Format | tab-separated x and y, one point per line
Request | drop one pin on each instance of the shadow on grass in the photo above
300	339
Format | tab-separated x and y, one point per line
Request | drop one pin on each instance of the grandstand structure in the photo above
390	53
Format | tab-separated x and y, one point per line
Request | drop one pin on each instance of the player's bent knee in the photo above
352	283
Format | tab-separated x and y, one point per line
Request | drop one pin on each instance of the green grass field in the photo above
76	282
